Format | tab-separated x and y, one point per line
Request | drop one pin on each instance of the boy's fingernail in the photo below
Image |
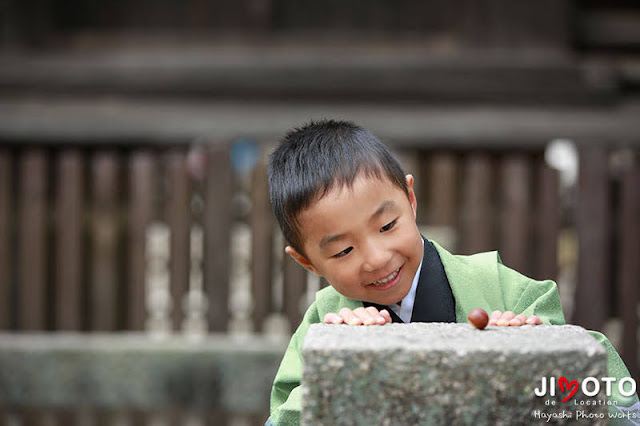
335	321
368	322
354	322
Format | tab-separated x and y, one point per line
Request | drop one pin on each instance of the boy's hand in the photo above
358	316
508	318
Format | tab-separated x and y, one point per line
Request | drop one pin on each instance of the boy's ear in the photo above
412	194
302	261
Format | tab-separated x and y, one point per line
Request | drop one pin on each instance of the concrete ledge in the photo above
133	371
401	374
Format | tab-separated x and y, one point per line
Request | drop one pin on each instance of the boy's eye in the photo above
388	226
344	252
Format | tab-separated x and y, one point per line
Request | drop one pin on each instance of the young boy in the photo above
348	213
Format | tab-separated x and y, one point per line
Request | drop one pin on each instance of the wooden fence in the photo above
74	222
608	226
73	229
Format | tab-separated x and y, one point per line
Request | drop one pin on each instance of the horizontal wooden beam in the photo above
301	71
123	121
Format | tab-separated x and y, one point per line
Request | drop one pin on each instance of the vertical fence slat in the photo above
141	190
295	285
547	221
261	247
593	224
629	223
423	186
515	226
217	222
32	240
476	233
179	220
443	192
104	277
5	239
69	252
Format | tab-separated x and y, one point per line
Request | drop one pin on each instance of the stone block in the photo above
445	374
133	371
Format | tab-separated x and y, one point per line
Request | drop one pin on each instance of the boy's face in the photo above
363	240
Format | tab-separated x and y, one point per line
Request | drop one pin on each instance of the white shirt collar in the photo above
405	309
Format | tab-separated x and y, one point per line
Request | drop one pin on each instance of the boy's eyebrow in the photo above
384	206
332	238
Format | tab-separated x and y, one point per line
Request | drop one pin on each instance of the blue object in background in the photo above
244	155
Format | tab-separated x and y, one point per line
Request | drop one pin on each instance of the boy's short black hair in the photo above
312	159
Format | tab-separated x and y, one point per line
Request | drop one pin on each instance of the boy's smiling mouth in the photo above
388	281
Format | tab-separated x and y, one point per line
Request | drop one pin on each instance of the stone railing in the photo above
216	376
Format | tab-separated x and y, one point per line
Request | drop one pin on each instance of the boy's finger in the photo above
505	318
518	320
349	317
534	320
495	315
365	316
377	316
386	315
332	318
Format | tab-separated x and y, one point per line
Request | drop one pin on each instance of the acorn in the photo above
478	318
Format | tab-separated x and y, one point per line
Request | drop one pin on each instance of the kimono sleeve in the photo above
524	295
286	393
616	368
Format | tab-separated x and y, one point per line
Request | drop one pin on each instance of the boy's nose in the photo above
376	257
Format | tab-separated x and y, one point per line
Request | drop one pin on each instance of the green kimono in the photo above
477	281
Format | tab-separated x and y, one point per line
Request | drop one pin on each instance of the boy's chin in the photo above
389	299
385	302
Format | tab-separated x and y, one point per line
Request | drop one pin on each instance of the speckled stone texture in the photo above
446	374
